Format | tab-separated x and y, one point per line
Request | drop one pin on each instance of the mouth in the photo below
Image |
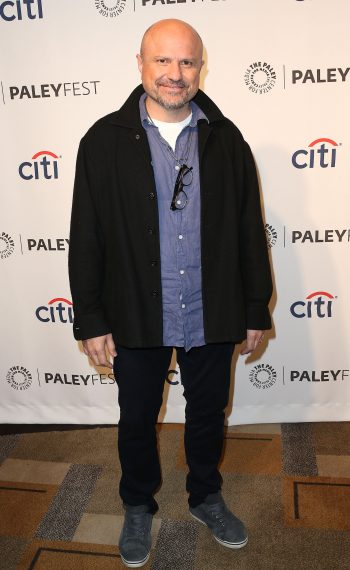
171	87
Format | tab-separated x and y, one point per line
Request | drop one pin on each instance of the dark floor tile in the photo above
298	449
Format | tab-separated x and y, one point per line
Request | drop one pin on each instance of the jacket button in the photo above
155	294
137	137
151	195
151	231
153	263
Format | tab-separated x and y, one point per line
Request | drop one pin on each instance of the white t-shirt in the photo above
170	131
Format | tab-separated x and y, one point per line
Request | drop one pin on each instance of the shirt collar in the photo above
197	113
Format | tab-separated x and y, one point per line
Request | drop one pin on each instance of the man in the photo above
168	249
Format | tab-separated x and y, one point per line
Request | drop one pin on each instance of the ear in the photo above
139	62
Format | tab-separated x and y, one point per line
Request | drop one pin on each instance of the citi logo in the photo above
170	378
58	310
31	9
321	152
318	304
44	165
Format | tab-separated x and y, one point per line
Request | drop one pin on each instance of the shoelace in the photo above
134	526
218	512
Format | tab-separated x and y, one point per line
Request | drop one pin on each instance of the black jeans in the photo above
140	375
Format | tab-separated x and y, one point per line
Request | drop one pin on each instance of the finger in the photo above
103	361
247	349
94	349
254	338
99	358
111	346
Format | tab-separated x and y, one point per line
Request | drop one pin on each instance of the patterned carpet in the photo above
59	508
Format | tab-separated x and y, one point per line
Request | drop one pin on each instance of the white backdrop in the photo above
279	70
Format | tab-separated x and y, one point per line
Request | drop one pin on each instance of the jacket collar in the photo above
129	114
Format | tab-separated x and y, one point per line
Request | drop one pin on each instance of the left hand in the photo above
253	339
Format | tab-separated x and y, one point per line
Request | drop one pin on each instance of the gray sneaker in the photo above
135	537
227	529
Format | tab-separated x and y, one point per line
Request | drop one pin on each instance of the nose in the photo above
174	71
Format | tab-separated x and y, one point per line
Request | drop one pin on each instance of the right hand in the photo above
95	348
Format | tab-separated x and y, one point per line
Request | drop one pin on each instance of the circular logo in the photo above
271	235
7	245
19	378
260	77
110	8
263	376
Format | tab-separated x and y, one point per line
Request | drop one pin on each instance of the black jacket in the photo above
114	257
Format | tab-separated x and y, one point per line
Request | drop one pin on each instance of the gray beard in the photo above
168	105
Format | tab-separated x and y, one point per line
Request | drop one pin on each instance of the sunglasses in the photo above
184	178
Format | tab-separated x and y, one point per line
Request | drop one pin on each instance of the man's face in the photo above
170	66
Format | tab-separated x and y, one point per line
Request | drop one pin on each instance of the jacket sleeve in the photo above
255	266
86	253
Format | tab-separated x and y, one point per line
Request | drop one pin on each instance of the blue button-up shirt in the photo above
179	232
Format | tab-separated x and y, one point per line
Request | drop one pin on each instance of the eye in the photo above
162	60
187	63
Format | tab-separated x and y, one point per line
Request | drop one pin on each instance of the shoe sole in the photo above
234	545
136	564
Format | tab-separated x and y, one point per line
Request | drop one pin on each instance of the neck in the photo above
158	112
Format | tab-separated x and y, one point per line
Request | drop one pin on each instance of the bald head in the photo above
170	61
170	26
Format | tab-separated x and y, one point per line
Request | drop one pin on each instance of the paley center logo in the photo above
110	8
318	304
327	75
7	245
47	244
58	310
263	376
321	152
21	9
319	375
260	77
271	235
19	378
43	164
165	2
320	236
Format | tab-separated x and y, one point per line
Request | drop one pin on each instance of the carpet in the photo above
289	483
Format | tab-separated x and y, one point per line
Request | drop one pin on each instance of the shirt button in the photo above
181	236
182	271
151	195
177	167
154	294
183	306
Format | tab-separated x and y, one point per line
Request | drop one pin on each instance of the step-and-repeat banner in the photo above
280	70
